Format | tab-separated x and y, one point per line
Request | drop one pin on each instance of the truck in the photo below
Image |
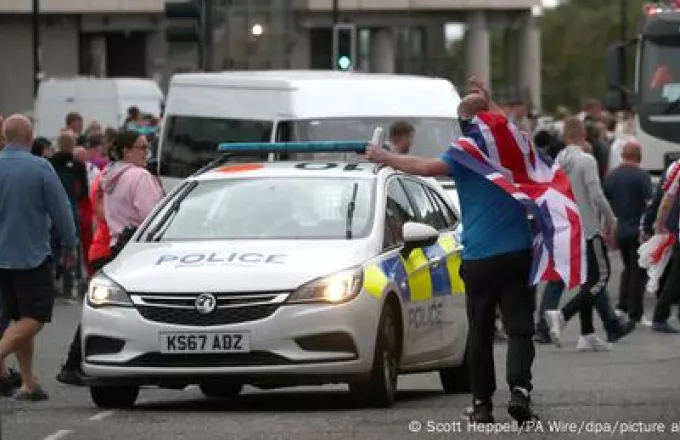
656	94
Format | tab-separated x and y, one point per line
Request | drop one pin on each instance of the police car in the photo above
277	274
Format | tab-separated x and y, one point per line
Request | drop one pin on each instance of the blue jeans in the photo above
551	301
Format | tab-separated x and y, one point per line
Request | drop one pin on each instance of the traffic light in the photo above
184	22
344	46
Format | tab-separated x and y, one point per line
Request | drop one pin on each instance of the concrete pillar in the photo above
383	50
301	55
529	57
98	56
435	43
478	56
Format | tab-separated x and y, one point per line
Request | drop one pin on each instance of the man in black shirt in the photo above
629	190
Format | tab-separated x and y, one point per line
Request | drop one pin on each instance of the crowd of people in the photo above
82	195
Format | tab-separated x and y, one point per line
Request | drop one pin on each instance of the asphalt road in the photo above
637	382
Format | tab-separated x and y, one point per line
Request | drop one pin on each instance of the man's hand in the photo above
376	154
478	86
69	258
660	228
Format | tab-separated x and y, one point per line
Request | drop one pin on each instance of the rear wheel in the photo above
379	389
221	390
114	397
456	379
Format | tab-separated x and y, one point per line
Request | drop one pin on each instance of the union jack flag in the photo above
496	149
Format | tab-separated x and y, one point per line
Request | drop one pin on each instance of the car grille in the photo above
231	308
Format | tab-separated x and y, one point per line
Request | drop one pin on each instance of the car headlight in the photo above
336	288
105	292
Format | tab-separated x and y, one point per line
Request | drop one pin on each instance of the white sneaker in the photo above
646	321
592	342
620	313
556	323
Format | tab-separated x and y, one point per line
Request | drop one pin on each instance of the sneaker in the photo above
35	395
624	330
14	378
556	323
519	406
592	342
70	376
646	322
542	337
8	386
664	327
479	412
619	313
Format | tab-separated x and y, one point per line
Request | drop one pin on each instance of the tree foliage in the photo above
574	40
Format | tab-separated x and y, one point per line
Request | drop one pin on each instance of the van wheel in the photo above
379	389
456	379
114	397
221	390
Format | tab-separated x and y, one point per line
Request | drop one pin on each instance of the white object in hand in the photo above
377	136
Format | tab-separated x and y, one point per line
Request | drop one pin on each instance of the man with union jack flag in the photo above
520	224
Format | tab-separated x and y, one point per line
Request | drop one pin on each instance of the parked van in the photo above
206	109
104	99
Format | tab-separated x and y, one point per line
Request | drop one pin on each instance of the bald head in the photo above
81	154
632	152
18	130
472	104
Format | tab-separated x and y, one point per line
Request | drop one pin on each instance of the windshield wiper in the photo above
671	106
172	210
350	211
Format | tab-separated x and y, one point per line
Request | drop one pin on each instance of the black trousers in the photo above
633	280
671	288
75	351
599	270
503	281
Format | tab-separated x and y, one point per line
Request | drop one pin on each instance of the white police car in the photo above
278	274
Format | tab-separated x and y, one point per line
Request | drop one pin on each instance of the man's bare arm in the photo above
417	165
665	208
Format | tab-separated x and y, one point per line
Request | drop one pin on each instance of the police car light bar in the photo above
294	147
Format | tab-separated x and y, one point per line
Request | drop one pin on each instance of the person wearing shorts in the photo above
32	199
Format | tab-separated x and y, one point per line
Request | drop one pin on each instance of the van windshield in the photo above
190	142
432	135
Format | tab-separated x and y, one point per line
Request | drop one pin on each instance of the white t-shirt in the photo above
92	172
616	150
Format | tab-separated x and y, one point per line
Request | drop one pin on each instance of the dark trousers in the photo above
671	288
633	280
599	270
503	281
75	351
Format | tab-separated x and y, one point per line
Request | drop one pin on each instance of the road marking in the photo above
102	415
59	434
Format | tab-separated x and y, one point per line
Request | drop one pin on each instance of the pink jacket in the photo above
130	194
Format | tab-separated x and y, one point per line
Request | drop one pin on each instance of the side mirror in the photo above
418	235
615	63
616	100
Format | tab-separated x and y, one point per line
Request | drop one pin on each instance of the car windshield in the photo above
432	135
271	208
660	71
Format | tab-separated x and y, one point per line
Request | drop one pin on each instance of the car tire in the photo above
456	379
222	390
379	389
114	397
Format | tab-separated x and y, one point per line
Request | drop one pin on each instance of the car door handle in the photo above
436	262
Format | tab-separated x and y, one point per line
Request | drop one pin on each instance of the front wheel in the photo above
379	389
114	397
456	379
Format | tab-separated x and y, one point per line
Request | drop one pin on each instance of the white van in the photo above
104	99
206	109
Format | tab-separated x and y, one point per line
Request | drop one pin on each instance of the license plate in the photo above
204	342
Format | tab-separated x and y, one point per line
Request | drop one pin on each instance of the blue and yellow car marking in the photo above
416	279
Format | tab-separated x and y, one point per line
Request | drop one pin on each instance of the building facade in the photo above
125	38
